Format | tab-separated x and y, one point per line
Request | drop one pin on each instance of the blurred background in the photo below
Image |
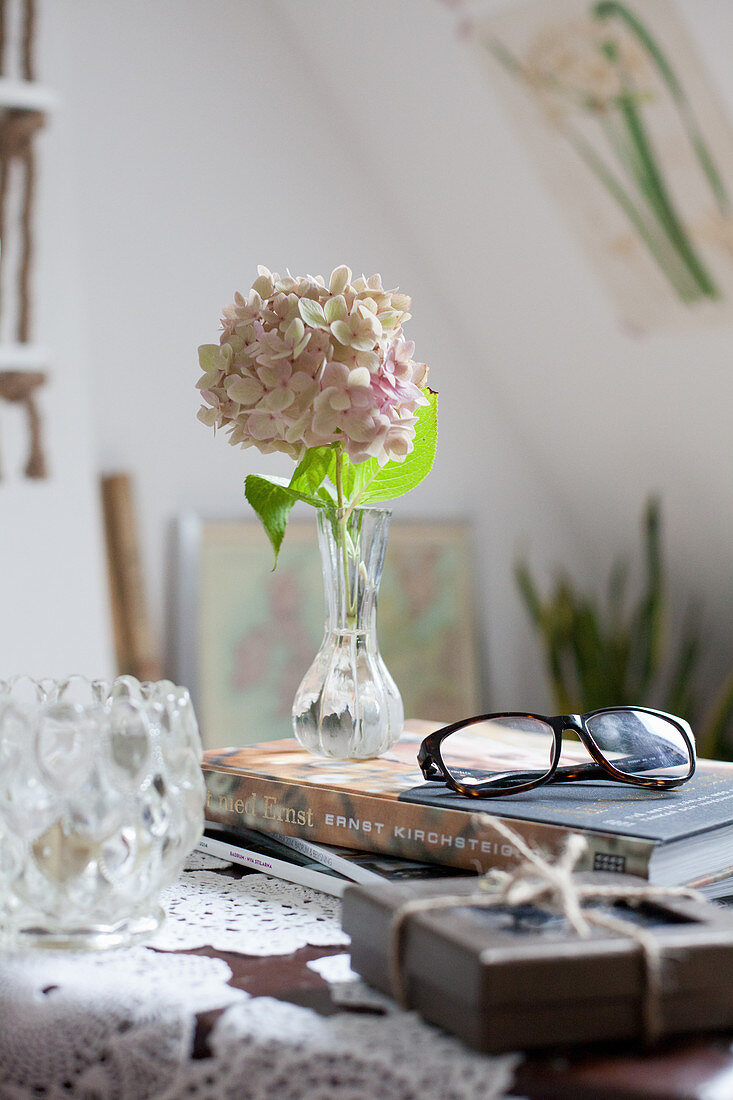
192	141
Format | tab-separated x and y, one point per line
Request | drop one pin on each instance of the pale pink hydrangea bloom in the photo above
301	364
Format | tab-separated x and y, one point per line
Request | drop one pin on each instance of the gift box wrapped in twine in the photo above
619	960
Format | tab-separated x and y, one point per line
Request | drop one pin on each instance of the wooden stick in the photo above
130	620
26	256
29	34
2	37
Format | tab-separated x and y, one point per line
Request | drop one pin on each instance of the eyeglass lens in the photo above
640	744
503	752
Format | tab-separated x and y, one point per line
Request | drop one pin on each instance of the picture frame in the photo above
245	635
628	133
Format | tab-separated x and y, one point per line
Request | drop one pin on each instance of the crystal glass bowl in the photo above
101	799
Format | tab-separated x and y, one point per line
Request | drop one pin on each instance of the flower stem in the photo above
342	517
360	495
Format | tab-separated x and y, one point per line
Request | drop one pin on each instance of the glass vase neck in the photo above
352	551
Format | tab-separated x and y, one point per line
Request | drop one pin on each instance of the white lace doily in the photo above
120	1025
255	915
291	1052
117	1025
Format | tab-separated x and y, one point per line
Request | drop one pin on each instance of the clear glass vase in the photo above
348	705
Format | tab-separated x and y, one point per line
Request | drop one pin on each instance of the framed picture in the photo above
245	635
628	132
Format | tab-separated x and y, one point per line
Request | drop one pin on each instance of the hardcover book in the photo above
383	805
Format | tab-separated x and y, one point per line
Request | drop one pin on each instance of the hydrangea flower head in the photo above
303	364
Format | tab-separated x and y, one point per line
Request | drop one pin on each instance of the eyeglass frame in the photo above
433	767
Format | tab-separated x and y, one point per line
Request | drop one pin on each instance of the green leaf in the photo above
310	472
272	499
617	583
649	620
397	478
528	592
712	740
272	503
679	696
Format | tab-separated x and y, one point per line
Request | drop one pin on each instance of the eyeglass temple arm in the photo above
593	770
431	770
560	775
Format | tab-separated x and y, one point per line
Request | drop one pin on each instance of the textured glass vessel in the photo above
101	799
348	705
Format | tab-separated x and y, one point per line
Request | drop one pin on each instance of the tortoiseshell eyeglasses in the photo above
500	754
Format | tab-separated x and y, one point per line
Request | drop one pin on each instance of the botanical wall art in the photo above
628	132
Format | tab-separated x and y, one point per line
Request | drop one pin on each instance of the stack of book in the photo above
325	823
325	867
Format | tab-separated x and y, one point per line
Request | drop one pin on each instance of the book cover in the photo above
320	866
365	867
383	805
269	859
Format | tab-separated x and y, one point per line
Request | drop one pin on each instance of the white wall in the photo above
53	586
205	138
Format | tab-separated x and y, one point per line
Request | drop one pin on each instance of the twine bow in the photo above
537	881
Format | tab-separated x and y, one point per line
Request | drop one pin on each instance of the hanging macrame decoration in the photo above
18	387
19	125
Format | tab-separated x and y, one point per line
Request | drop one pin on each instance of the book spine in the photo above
269	865
430	834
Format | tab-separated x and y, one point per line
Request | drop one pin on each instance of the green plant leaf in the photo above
679	696
272	499
397	478
272	503
649	621
312	469
617	584
712	740
596	655
528	592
